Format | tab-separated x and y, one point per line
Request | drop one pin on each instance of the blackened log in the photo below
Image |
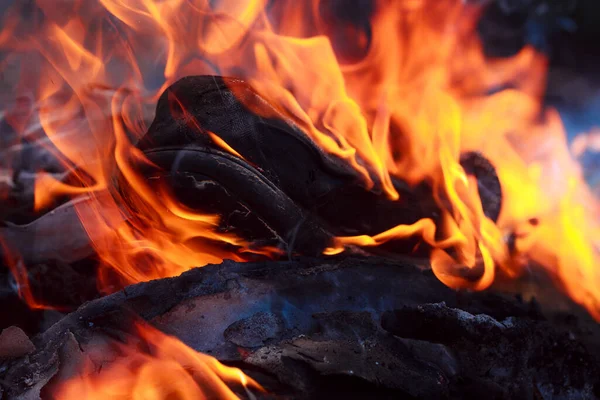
295	195
296	227
325	187
363	327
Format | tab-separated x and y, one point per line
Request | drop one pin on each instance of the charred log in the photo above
362	326
317	192
285	190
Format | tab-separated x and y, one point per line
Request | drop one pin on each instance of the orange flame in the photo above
19	272
169	370
400	96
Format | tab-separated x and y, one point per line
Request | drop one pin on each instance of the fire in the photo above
398	95
166	369
19	272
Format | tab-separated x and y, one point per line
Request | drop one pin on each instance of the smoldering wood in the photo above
297	196
299	215
313	328
320	195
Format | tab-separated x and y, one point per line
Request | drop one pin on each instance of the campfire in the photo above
298	199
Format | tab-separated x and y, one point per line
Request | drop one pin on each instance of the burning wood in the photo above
385	131
280	162
376	141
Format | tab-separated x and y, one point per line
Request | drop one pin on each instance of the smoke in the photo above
583	133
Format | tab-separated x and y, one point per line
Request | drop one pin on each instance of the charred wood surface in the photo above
311	329
319	195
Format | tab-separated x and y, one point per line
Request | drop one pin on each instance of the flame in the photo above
398	95
19	272
168	369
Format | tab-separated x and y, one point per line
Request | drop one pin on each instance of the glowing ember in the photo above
169	370
402	99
